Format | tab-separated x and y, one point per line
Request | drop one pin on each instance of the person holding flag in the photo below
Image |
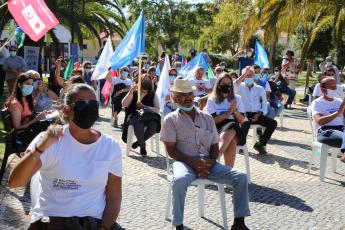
244	58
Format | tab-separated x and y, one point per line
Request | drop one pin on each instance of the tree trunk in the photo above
272	53
310	63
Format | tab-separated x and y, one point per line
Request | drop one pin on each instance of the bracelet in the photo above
38	150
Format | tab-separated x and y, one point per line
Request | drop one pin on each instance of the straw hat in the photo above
182	86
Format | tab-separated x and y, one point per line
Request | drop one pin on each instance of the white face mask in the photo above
331	93
249	54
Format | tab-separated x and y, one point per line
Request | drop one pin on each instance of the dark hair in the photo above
217	95
256	67
234	74
77	79
329	69
290	52
17	92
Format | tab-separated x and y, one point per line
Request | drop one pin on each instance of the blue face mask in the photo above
87	71
257	76
35	85
187	109
125	74
13	53
172	78
27	90
249	81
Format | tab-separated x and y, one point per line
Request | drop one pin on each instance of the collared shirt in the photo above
192	138
254	98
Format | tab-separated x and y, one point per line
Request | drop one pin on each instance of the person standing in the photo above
13	66
244	58
291	67
3	55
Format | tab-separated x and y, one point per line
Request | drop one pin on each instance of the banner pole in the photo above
139	80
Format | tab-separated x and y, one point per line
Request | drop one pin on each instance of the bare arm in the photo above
127	100
17	119
237	55
322	120
31	163
113	198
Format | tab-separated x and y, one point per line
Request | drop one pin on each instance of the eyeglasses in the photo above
80	105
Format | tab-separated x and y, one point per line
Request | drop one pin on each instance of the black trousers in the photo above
2	81
269	124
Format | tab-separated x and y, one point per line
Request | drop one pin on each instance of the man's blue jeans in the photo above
184	175
290	92
333	136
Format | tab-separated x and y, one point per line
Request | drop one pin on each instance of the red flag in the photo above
106	91
33	16
77	65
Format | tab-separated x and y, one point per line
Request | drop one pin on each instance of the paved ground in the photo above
282	194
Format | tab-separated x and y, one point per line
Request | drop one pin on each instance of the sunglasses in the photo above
81	105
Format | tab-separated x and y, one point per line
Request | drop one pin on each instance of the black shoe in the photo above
143	152
286	106
180	227
239	227
135	145
260	148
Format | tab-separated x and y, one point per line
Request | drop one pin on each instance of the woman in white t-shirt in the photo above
227	111
77	170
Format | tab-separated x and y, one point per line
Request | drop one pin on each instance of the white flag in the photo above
163	88
103	62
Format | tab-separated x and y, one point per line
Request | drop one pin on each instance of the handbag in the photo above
145	115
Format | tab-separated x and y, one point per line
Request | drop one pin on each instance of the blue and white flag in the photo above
163	87
261	56
103	62
188	71
132	45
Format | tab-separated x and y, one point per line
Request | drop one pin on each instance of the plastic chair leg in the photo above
130	134
255	132
323	161
281	117
168	205
152	143
201	193
334	160
246	159
223	204
157	144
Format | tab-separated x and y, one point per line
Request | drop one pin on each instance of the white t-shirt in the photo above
196	82
212	107
117	80
340	91
73	176
321	106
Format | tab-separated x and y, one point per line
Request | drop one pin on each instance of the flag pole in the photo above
139	76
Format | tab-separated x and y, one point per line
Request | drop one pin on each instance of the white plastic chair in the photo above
281	118
244	148
323	148
130	134
200	183
255	129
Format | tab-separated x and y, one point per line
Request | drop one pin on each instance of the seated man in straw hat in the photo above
191	138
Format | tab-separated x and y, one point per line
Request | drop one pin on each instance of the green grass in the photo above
302	77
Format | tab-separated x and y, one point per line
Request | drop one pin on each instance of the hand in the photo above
117	93
58	63
42	115
53	134
197	165
233	106
133	88
341	108
140	105
256	117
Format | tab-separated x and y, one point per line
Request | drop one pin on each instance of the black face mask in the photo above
224	88
85	114
147	85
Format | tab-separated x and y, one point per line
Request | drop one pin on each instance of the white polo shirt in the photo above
254	98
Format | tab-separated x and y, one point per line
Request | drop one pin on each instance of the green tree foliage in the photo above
170	24
224	33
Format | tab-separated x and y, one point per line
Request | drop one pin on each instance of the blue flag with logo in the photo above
188	71
261	56
132	45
